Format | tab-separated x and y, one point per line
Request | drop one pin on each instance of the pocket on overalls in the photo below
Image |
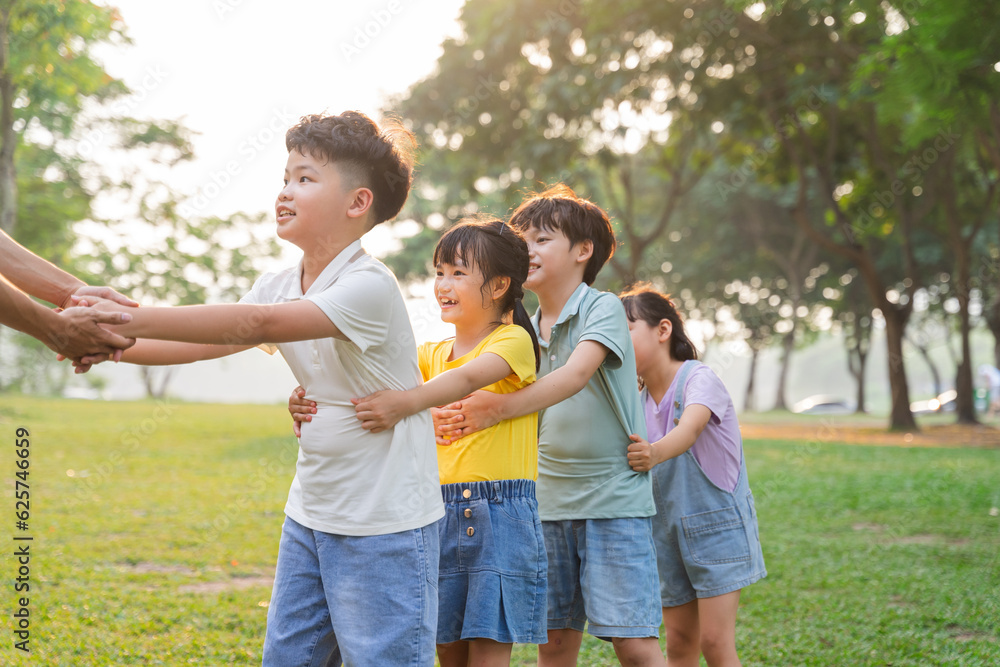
716	536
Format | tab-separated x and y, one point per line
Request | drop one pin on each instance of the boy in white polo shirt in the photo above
358	560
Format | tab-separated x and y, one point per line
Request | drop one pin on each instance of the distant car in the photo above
943	402
823	404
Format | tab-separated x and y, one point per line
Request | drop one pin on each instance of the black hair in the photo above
559	208
644	302
497	250
378	159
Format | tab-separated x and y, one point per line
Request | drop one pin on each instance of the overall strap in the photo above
682	376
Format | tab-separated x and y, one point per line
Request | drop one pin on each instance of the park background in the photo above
815	181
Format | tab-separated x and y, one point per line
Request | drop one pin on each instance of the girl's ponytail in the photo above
522	319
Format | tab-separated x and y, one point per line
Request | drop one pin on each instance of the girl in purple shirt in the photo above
705	529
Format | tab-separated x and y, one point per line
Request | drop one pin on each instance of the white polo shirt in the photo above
349	481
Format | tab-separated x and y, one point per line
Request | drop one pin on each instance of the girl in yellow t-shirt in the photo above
492	583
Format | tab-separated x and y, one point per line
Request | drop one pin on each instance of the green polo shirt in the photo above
583	470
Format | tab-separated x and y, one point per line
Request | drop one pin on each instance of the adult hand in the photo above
99	292
77	334
301	409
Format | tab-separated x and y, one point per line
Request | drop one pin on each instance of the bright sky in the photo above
240	72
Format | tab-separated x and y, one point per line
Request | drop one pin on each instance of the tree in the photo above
938	71
48	77
535	93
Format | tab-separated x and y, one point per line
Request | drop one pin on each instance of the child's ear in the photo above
585	249
665	330
361	203
500	286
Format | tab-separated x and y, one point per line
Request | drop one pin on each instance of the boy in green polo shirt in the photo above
595	509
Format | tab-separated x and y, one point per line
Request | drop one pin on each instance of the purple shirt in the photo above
719	448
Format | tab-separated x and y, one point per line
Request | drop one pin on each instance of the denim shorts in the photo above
493	569
368	600
708	553
603	572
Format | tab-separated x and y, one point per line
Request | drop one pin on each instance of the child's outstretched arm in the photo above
643	456
381	410
484	409
238	324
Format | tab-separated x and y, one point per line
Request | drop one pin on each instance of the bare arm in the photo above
234	324
483	409
73	333
381	410
149	352
42	279
34	275
643	456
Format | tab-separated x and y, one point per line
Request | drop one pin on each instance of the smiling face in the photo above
553	259
459	291
312	202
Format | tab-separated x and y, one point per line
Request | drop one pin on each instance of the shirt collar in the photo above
333	270
571	308
293	288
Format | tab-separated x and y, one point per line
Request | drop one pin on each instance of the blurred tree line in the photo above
59	109
789	166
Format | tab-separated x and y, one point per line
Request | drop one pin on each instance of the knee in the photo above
715	646
681	641
557	645
637	651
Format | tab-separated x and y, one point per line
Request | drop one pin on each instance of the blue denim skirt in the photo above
493	569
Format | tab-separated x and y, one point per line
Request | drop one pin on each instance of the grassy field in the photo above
155	530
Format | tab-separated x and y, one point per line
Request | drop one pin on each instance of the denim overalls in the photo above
706	538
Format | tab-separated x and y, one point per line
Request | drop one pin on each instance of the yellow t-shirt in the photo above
508	450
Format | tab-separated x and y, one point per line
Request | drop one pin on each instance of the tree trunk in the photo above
925	353
788	345
965	401
857	359
8	138
861	409
748	404
900	418
149	375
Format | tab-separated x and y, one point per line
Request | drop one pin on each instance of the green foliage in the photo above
52	64
64	104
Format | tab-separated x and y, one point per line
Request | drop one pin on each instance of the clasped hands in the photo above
83	338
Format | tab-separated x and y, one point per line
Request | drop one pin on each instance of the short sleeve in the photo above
255	297
513	345
605	322
704	387
357	304
425	359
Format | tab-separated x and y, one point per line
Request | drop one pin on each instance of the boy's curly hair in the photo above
378	159
559	208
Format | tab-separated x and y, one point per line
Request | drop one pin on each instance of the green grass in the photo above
156	527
